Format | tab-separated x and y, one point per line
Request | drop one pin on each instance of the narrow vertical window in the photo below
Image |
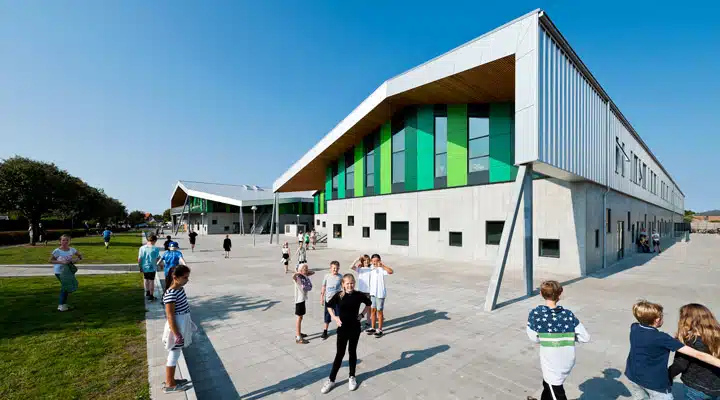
370	164
398	154
440	130
478	143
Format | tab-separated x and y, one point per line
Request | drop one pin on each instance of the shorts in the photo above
227	248
149	275
327	314
377	303
300	309
107	240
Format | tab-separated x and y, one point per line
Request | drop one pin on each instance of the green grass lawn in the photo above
123	250
95	351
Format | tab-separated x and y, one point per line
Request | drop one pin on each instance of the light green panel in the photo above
457	137
385	159
411	151
328	183
359	183
502	146
322	203
341	177
425	148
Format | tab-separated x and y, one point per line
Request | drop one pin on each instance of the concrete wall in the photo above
567	211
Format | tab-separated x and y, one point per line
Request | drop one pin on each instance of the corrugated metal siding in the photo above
572	116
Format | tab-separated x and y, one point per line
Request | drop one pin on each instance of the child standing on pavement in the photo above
361	266
698	329
302	286
148	257
332	283
378	293
650	349
285	256
227	245
556	329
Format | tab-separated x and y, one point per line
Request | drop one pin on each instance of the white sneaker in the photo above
62	307
327	386
352	383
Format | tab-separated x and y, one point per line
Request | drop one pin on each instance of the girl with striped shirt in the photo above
178	328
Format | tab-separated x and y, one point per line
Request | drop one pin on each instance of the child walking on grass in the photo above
556	329
302	286
698	329
646	366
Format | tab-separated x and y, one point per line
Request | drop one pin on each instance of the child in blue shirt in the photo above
171	259
147	260
647	362
107	233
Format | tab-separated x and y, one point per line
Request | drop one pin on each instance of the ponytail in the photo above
176	272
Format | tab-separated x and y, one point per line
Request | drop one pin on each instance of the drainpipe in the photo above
607	184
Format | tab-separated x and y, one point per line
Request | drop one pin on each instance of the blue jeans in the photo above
692	394
63	294
327	314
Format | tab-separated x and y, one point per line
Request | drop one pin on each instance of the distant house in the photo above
4	218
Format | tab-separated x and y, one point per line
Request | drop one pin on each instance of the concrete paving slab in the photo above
439	342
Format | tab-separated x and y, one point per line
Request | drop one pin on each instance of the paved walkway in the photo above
439	342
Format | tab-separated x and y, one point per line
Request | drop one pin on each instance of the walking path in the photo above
439	342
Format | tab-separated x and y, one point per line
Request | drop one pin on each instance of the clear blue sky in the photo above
134	95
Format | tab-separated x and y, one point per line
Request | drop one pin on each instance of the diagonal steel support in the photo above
505	239
272	218
182	214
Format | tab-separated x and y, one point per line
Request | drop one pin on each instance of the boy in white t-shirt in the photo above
378	293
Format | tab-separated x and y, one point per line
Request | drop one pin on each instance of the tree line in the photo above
37	190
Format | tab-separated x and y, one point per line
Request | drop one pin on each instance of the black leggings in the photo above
553	392
345	335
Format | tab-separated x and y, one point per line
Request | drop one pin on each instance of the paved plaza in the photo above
439	342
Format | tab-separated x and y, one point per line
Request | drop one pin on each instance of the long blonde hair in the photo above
697	321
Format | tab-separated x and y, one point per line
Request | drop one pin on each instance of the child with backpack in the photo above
302	286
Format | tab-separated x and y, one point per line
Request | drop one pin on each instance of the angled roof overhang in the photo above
480	71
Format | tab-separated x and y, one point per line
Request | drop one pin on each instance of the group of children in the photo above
149	259
697	347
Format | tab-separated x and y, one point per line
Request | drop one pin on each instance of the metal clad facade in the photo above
578	127
572	116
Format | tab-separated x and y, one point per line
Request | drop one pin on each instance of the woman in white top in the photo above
60	258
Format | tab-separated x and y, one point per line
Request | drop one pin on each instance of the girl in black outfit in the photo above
348	331
227	245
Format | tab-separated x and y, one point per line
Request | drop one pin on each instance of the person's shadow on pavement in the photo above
607	387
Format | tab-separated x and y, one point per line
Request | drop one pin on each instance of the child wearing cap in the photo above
171	259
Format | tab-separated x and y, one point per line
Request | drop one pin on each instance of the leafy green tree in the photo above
688	217
136	217
166	215
33	188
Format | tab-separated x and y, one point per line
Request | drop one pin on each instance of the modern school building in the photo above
504	150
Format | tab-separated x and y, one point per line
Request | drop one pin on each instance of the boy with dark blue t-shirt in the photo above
647	362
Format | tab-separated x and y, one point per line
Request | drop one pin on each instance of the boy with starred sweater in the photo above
557	330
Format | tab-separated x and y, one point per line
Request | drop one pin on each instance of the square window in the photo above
434	224
400	233
337	231
550	248
351	220
323	224
493	232
227	228
440	165
214	222
366	231
380	221
479	147
479	164
318	222
455	239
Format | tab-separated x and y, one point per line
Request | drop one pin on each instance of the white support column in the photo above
242	223
528	234
277	219
272	219
505	239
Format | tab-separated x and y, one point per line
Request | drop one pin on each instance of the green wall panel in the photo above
341	177
328	183
322	203
457	136
425	148
502	146
359	183
411	151
385	159
316	203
